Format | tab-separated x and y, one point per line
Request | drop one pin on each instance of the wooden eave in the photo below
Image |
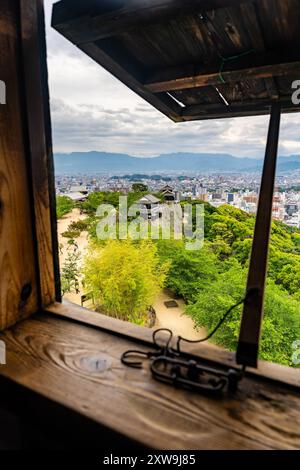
192	60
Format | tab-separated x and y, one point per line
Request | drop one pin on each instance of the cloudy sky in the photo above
91	110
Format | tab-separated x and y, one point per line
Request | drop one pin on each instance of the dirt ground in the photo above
62	226
82	242
174	318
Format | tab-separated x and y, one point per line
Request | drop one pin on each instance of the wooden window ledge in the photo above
77	369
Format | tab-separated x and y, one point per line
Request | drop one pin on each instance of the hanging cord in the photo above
134	358
219	324
215	40
228	59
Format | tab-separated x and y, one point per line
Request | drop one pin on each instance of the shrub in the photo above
71	233
79	225
63	205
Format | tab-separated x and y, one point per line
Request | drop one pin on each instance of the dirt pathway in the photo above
64	248
62	226
174	318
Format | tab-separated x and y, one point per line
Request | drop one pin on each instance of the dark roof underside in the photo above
192	59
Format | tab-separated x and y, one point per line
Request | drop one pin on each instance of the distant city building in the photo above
77	197
150	206
294	221
251	198
291	208
79	189
168	193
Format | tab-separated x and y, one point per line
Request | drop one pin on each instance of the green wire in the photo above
227	59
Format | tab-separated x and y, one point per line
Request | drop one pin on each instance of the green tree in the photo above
124	277
92	202
241	250
221	230
139	187
281	324
70	273
290	278
190	271
63	205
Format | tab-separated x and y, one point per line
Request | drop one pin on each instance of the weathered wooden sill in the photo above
77	367
207	351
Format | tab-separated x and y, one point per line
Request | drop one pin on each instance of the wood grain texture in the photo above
180	79
40	143
79	367
212	354
102	21
17	265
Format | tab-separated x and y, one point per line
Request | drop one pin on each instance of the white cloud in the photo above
92	110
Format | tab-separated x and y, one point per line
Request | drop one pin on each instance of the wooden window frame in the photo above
41	169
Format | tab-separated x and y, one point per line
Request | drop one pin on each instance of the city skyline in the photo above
240	190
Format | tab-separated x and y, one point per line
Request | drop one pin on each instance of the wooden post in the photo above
19	296
39	139
247	350
28	240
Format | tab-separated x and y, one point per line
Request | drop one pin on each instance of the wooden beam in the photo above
112	59
90	20
238	109
272	88
248	346
172	79
40	147
18	277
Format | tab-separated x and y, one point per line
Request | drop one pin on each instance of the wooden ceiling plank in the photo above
98	21
254	29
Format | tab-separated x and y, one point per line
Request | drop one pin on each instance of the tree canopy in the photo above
124	277
214	278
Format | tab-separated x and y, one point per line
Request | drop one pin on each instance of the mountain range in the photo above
99	162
